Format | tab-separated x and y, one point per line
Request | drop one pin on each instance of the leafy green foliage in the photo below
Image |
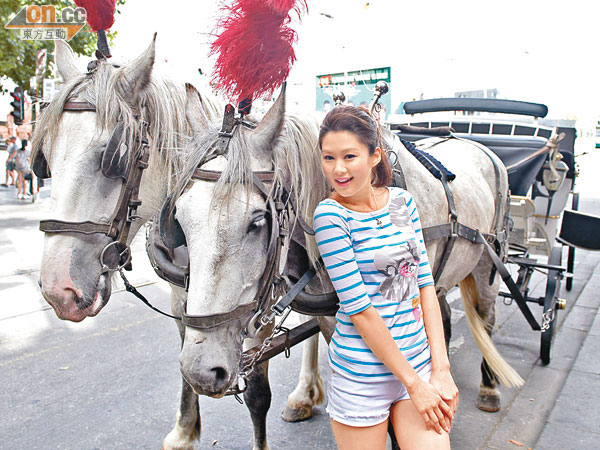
18	56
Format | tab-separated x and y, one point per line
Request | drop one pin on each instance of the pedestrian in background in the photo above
10	161
23	170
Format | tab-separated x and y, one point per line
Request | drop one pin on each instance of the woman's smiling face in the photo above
347	164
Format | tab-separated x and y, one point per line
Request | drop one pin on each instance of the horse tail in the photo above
507	375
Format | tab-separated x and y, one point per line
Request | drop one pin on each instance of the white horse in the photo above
227	226
72	279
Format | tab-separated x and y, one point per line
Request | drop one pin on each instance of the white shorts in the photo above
364	404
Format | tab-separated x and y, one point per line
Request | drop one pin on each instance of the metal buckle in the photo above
252	329
122	262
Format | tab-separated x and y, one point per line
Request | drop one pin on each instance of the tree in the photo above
18	56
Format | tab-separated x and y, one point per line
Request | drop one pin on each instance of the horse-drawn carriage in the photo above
540	159
231	283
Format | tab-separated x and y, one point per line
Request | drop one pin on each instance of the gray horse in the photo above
72	279
227	225
72	142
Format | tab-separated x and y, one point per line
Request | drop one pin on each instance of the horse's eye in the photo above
257	223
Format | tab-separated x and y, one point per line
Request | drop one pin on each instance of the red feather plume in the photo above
255	47
100	13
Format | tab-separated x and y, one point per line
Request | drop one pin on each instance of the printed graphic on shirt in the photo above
416	303
399	263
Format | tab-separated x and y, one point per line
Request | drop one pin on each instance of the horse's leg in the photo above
258	401
489	395
310	390
446	315
258	393
187	421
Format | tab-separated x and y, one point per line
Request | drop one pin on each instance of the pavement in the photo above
112	381
574	421
559	406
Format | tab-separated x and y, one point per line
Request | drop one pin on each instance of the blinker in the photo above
171	232
115	159
40	165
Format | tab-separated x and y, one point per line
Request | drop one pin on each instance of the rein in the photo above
118	226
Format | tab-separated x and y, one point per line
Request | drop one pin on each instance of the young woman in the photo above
387	354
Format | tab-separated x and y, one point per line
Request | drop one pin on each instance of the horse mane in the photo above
296	159
163	109
298	163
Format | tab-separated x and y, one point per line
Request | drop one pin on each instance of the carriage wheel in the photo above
571	254
551	304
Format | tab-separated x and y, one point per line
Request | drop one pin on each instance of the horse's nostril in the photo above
40	282
220	373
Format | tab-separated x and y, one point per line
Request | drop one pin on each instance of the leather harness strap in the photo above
453	217
71	105
444	230
206	321
214	175
59	226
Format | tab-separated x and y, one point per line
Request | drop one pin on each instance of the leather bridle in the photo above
118	226
271	283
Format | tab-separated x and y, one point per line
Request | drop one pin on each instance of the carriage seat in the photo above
512	150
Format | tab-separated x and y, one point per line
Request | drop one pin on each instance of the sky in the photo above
531	50
541	51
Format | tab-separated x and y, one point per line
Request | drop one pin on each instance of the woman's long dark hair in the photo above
359	122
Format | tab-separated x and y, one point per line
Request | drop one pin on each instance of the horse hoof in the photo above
296	414
488	400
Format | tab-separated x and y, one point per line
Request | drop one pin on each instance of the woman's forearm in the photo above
432	318
378	338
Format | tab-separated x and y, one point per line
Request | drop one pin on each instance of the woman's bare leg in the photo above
360	438
411	432
20	180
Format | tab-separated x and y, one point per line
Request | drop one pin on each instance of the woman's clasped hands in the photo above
436	401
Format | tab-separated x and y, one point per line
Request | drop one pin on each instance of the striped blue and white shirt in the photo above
375	259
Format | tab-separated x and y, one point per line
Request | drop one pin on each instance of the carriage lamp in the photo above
554	174
561	303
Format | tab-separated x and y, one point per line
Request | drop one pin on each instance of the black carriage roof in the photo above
492	105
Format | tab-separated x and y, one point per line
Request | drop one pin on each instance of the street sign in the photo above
49	87
358	87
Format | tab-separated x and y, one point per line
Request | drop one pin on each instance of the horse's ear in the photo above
270	126
65	60
136	75
194	110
